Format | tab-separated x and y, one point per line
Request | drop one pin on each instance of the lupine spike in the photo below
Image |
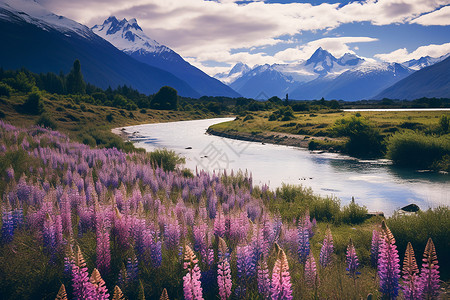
164	295
311	276
375	248
303	240
62	294
281	279
191	281
388	264
411	281
352	261
224	271
327	249
429	274
99	284
118	295
264	285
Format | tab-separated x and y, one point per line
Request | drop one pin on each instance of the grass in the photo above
84	122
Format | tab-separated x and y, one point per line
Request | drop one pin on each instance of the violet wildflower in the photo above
352	261
281	279
224	271
311	276
411	281
327	249
191	281
303	240
7	227
429	274
388	264
264	286
375	248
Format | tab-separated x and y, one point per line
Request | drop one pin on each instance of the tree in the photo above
165	98
75	81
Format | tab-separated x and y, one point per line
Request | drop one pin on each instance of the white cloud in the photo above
438	17
401	55
210	30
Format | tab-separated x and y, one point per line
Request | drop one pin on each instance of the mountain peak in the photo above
321	55
128	36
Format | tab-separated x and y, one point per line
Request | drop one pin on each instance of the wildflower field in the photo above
90	223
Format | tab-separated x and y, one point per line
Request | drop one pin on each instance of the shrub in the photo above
5	89
353	213
166	159
33	105
414	149
109	117
444	124
46	121
364	139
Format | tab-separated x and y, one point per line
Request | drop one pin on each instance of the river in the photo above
374	183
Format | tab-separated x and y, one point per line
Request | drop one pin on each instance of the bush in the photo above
46	121
364	139
109	117
166	159
353	213
283	114
33	105
414	149
5	89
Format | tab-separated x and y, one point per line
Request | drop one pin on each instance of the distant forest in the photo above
167	98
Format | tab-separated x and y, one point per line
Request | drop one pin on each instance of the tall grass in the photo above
414	149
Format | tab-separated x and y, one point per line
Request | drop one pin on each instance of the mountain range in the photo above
322	75
42	41
129	37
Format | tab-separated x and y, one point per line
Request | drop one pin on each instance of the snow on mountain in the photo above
128	36
32	12
424	61
42	41
236	72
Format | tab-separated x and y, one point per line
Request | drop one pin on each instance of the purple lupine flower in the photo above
223	271
82	288
99	288
49	235
132	268
246	265
281	279
388	264
352	261
18	218
311	275
264	286
327	249
155	253
375	248
9	174
429	274
103	249
303	240
411	281
219	223
7	227
191	281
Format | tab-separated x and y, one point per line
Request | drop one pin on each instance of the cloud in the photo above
401	55
439	17
212	30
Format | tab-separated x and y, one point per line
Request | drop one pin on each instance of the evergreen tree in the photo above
75	82
165	98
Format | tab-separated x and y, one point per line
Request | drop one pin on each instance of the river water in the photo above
373	183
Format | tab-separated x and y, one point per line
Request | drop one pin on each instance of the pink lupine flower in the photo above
429	274
264	286
191	281
327	249
281	279
311	276
224	271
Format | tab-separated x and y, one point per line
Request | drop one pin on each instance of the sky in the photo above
214	35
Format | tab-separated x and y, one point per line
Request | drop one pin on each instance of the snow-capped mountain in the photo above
237	71
128	36
263	82
424	61
362	82
42	41
432	81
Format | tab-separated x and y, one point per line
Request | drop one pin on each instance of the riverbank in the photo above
279	138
